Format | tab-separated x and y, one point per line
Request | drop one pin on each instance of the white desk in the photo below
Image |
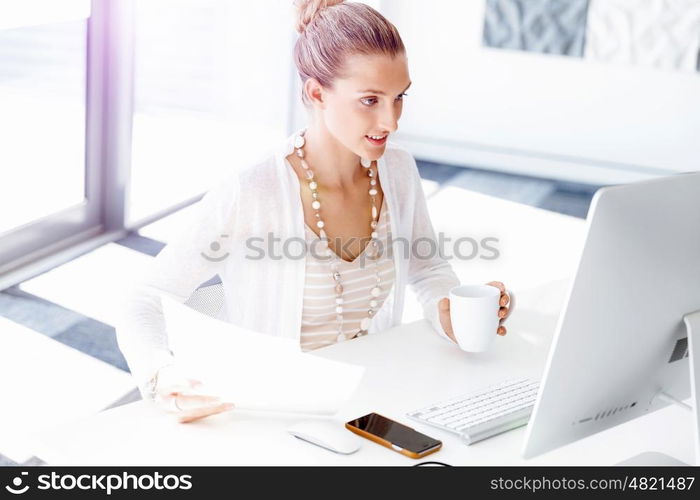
407	367
35	372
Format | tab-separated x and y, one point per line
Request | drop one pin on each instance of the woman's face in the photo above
369	102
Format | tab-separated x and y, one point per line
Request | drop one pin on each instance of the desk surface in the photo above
402	375
407	367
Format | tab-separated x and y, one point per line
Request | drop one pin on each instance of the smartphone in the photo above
393	435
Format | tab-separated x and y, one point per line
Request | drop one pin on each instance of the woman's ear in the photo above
314	92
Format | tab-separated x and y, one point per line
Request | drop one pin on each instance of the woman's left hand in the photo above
506	306
503	312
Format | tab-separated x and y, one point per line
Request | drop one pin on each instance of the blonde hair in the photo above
331	30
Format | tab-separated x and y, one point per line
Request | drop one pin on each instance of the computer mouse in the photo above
328	434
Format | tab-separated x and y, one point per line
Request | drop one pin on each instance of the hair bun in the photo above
308	9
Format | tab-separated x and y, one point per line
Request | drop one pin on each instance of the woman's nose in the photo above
390	121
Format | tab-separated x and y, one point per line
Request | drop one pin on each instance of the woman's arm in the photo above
184	264
430	276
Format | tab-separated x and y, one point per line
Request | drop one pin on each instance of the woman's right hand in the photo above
186	397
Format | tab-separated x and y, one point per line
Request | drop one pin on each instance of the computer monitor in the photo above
621	347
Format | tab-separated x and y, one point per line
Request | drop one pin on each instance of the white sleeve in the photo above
176	271
430	276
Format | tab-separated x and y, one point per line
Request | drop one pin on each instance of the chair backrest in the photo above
207	299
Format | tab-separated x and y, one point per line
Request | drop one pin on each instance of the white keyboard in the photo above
484	413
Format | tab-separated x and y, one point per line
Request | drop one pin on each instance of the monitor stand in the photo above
692	325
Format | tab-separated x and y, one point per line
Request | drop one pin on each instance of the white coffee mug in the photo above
474	315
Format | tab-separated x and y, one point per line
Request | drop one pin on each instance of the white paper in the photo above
256	371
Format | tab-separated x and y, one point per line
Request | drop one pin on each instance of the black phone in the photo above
393	435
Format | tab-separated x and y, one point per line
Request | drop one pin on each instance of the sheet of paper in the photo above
254	370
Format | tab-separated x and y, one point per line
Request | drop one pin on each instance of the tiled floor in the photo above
558	196
74	304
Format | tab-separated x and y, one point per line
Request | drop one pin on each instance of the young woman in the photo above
352	200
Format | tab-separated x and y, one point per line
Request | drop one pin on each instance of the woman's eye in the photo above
369	101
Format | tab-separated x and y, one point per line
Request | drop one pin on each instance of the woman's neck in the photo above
335	166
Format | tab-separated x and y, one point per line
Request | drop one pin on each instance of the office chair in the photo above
207	299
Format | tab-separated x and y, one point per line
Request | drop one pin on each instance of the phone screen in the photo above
394	432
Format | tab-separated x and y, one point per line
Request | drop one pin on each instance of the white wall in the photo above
20	13
539	114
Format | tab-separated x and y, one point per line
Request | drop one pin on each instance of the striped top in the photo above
319	325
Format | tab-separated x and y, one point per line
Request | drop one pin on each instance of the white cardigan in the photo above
266	295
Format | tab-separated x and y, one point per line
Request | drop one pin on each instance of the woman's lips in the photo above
375	141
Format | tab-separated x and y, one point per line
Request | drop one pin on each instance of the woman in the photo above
336	186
